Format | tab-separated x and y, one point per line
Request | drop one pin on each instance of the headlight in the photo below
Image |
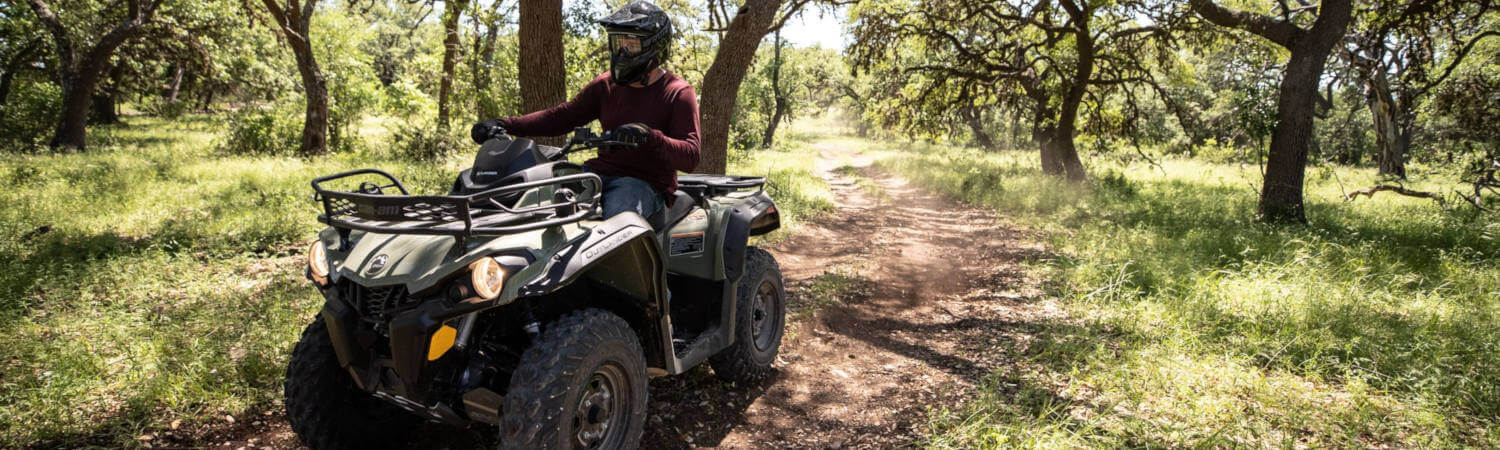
487	277
317	263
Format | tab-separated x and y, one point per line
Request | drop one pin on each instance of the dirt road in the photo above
927	293
901	301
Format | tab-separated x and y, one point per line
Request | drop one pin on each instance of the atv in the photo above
511	303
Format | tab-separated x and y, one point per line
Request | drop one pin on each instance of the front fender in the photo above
626	241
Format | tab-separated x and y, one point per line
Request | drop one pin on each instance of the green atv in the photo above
511	303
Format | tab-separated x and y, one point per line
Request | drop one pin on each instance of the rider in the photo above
643	103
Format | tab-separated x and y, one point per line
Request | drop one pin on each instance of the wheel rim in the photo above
763	317
601	412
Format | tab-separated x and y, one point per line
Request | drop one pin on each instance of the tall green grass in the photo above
1192	324
153	279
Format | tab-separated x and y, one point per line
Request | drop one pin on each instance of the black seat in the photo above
665	218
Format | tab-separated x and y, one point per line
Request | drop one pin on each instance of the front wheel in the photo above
759	321
582	384
326	409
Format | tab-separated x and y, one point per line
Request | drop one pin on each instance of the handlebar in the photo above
584	139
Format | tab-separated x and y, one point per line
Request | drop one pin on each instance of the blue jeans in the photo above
630	194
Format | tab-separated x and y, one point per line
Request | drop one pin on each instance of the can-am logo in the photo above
376	264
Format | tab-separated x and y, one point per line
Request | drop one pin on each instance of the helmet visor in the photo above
629	44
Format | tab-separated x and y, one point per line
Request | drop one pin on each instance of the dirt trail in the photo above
932	297
929	299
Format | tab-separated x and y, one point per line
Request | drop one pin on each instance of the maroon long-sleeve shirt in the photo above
669	106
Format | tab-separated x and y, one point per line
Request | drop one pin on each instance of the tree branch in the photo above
65	52
1370	192
1457	58
1281	32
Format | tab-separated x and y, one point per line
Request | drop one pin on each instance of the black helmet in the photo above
637	22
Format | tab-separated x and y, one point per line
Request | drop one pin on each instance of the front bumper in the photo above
401	366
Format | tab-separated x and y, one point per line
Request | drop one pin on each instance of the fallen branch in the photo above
1370	192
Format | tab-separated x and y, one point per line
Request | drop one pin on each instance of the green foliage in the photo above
809	79
406	100
423	142
1197	327
28	117
1346	135
262	131
167	110
353	90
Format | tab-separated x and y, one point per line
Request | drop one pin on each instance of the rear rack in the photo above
715	185
369	208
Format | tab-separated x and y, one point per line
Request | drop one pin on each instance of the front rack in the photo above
369	208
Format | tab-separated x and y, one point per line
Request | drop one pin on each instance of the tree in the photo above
487	23
1281	192
292	21
1396	57
739	39
454	8
541	56
778	94
79	74
1057	57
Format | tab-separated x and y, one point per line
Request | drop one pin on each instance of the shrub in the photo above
28	116
167	109
405	99
422	142
258	131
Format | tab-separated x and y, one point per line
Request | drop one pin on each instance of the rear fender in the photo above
754	216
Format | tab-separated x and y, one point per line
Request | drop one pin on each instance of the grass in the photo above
1193	325
152	281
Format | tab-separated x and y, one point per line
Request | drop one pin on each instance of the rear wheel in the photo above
582	384
326	409
760	321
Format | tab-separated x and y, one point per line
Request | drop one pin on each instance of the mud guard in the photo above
609	237
755	216
342	321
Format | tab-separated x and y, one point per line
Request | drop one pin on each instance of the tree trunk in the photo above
1286	164
541	57
315	120
975	120
176	85
1388	136
1065	153
1046	140
293	22
779	107
721	84
1015	129
450	57
102	109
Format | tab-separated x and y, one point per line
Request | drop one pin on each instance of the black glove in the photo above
634	133
485	130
